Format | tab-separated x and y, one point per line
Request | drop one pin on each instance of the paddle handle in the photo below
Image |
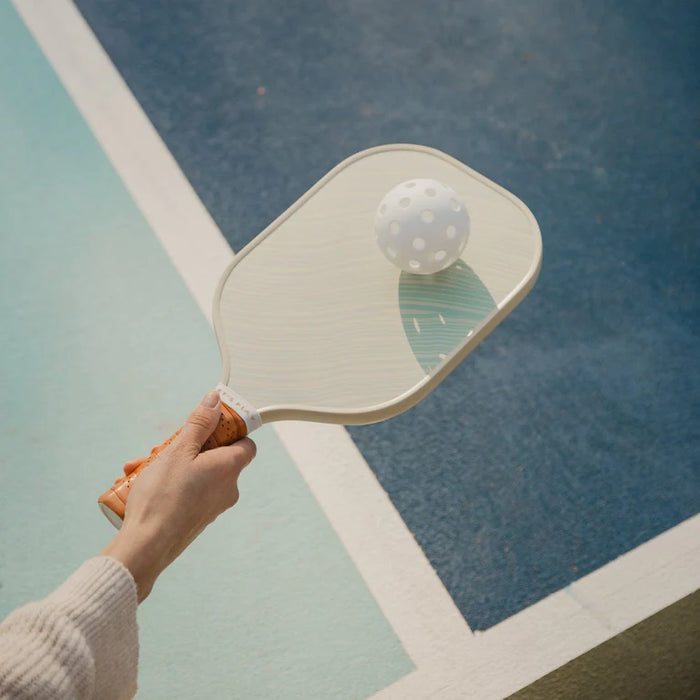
231	428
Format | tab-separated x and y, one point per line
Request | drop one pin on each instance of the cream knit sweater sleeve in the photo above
79	642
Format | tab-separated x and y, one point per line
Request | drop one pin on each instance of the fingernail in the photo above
211	399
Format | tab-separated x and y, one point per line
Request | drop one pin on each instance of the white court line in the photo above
451	661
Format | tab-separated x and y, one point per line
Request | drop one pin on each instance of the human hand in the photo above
177	496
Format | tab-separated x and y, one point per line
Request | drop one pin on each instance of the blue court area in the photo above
96	369
572	435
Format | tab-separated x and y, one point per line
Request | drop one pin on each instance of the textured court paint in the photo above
571	436
104	351
657	659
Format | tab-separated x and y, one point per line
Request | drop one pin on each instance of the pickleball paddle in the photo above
314	323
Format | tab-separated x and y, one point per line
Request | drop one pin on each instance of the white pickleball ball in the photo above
422	226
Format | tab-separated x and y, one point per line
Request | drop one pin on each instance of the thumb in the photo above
201	423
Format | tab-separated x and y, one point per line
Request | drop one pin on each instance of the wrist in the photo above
141	554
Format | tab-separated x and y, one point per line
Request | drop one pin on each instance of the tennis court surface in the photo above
532	527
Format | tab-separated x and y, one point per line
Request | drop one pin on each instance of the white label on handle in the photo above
242	407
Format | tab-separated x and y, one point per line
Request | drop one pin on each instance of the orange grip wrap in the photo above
231	427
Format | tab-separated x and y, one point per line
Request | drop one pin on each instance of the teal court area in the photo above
104	352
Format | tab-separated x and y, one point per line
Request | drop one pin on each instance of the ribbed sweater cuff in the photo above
101	599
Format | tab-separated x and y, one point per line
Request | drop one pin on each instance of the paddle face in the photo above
313	321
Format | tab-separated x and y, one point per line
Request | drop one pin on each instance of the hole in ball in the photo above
414	264
382	209
410	184
431	192
404	202
451	231
454	205
427	216
440	255
391	253
395	227
419	243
